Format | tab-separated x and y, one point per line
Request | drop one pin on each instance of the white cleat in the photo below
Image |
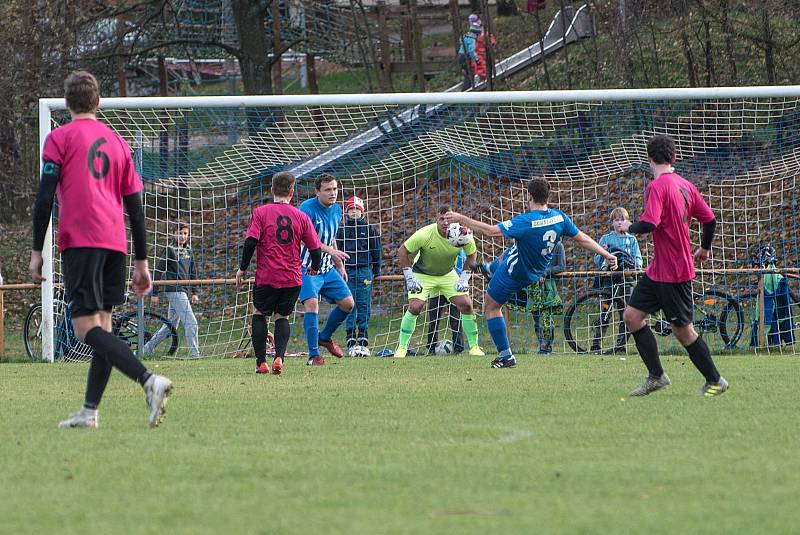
82	418
157	389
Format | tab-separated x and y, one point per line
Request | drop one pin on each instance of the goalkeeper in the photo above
428	261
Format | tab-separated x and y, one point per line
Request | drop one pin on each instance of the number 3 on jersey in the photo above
549	239
284	233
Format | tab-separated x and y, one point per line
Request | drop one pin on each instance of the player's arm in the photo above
462	285
702	212
584	241
140	282
42	209
404	260
248	249
478	227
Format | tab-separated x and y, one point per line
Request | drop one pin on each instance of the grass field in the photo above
426	445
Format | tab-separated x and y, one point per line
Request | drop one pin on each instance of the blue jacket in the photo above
625	243
176	264
468	41
362	242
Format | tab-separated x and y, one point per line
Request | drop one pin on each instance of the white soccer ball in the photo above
445	347
458	235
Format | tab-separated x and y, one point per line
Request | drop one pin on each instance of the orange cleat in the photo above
262	368
316	361
332	347
277	366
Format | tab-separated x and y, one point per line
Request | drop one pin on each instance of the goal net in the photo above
207	161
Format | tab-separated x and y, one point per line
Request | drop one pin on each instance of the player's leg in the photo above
92	304
283	309
645	300
678	308
456	327
501	288
264	302
416	303
335	289
309	296
469	322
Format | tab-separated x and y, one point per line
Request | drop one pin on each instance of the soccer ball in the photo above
445	347
458	235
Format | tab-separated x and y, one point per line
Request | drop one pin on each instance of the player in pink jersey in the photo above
276	231
89	167
671	202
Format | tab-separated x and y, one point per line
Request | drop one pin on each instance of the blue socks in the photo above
497	329
336	318
311	327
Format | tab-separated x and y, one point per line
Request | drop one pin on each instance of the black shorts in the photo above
673	298
94	279
268	300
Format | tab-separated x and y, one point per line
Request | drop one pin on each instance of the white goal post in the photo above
407	153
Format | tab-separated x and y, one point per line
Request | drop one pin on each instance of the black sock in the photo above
117	353
282	333
701	358
99	372
259	338
648	350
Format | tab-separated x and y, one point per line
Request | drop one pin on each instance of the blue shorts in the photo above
329	285
502	288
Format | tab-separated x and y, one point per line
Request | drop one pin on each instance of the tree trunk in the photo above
769	45
730	51
708	48
687	48
250	17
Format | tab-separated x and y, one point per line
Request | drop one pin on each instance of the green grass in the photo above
440	445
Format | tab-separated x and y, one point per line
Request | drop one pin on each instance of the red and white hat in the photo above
354	202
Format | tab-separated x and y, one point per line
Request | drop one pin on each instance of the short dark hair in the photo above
183	225
443	209
323	179
661	149
282	183
81	92
539	188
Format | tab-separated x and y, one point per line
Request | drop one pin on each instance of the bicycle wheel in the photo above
593	324
126	326
717	312
33	332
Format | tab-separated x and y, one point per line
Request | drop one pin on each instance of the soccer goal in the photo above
207	161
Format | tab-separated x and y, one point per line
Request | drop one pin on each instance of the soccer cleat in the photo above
262	368
277	366
711	390
82	418
317	360
650	385
400	352
332	347
157	390
476	351
504	363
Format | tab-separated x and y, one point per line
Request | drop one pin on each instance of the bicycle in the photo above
68	347
594	324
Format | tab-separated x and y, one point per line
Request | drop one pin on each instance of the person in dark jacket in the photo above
177	264
362	242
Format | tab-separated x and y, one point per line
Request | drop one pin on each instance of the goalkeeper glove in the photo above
412	283
462	284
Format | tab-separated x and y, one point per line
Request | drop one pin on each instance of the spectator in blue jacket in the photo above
467	53
177	264
362	242
619	240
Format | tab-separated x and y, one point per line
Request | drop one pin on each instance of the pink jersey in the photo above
671	202
279	229
96	172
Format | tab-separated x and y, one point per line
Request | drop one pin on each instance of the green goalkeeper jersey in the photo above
434	254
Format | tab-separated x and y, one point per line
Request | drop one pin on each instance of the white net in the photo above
210	166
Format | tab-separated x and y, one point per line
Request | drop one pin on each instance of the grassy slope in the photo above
423	445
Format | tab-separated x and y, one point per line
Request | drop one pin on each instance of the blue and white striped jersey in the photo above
536	234
326	223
